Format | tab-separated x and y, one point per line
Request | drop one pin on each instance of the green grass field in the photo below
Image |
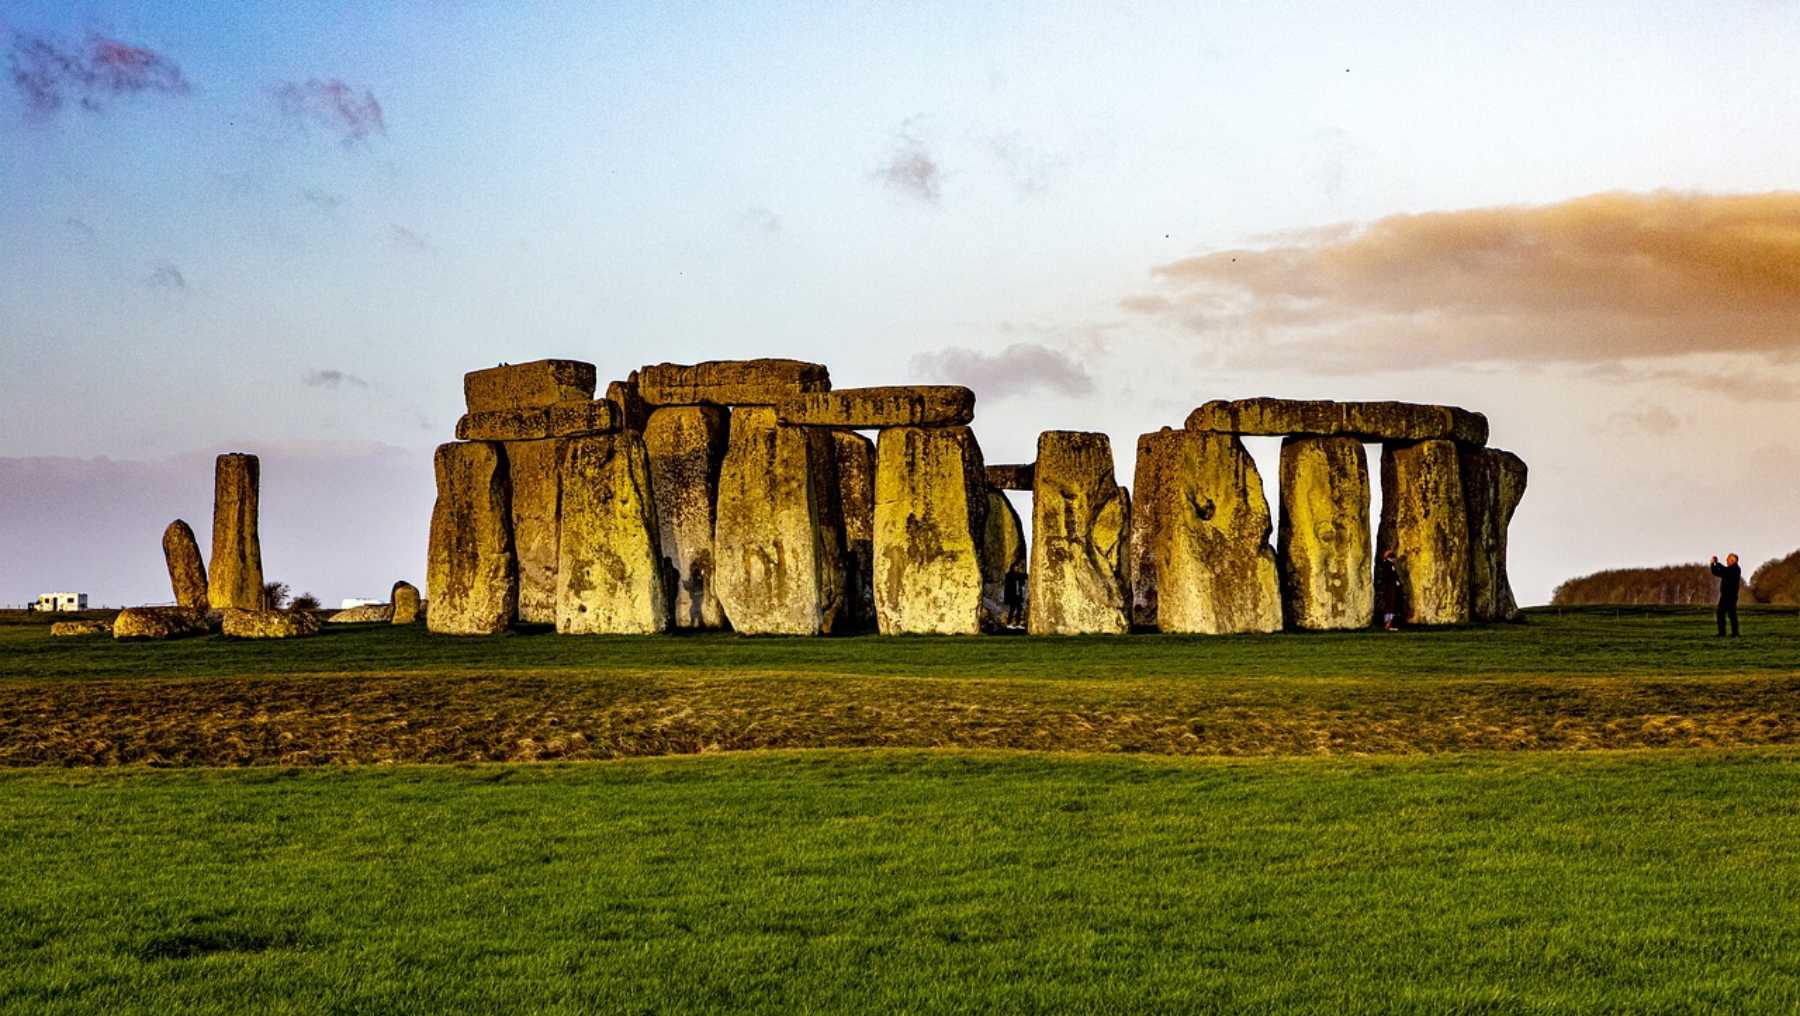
1592	812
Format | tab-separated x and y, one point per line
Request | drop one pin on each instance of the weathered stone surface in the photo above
1215	570
528	385
1367	421
1425	521
633	411
855	456
1322	543
930	517
1154	450
563	419
368	613
270	624
776	542
236	575
534	503
730	382
686	445
1011	476
1081	538
1002	553
70	629
1493	485
158	623
867	408
609	568
187	572
405	603
470	572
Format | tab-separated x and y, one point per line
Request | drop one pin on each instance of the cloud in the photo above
48	77
1588	280
325	201
1028	167
81	228
333	106
910	169
762	220
402	238
1759	385
1656	421
331	378
166	276
1019	368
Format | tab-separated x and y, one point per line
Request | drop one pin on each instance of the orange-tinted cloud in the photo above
1598	278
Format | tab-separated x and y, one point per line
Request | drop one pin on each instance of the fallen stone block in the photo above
1215	570
609	568
531	385
1011	476
872	408
730	382
73	629
1322	544
1081	537
930	517
368	613
159	623
686	445
269	624
187	572
1365	421
777	543
1425	521
236	575
471	573
1493	486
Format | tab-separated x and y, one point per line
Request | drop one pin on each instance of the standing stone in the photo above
1215	570
1153	451
187	573
405	603
1081	537
775	546
236	578
1011	476
535	500
930	515
631	409
856	485
1425	521
471	573
1002	553
609	568
1493	484
1322	546
686	445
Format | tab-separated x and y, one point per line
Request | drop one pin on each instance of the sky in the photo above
290	229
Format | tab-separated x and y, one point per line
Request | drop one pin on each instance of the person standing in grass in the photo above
1730	576
1387	590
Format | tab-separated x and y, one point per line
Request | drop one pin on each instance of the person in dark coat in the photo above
1730	576
1387	591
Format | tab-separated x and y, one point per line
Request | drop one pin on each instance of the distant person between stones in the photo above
1387	590
1730	575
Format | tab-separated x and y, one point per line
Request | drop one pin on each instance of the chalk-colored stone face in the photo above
895	406
158	623
1153	452
1322	547
471	573
1493	485
730	382
686	445
269	624
1081	537
535	501
1002	554
609	568
1369	421
236	576
405	603
776	541
930	514
1011	476
528	385
1425	521
562	419
1215	570
187	572
856	485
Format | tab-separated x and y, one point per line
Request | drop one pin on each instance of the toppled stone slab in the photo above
535	503
930	517
368	613
1366	421
405	603
1081	529
470	571
1003	563
563	419
730	382
870	408
159	623
1322	543
72	629
187	572
1493	485
686	445
1215	570
855	456
528	385
776	541
609	568
1146	480
1425	521
236	575
633	412
1011	476
269	624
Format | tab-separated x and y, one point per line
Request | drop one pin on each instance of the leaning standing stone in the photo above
686	445
535	500
1493	485
471	573
405	601
930	514
1081	537
776	544
187	573
1215	570
609	569
855	456
236	578
1425	521
1327	579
